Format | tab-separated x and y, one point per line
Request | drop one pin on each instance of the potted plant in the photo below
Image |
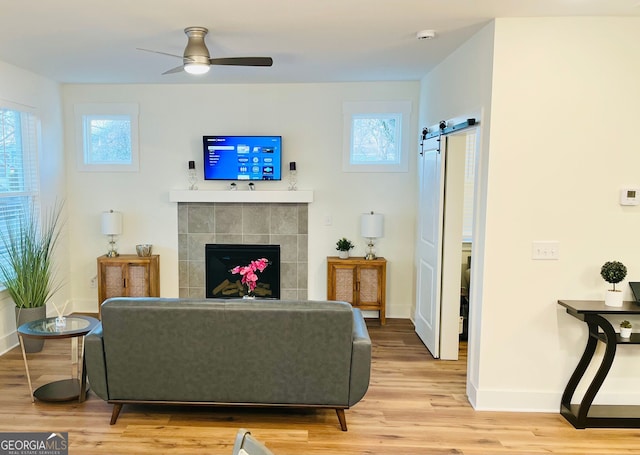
28	272
625	329
613	272
343	246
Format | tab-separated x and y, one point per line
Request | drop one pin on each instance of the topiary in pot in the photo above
613	272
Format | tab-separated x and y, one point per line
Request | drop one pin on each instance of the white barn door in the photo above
439	244
429	245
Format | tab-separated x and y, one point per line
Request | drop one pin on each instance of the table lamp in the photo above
371	227
112	226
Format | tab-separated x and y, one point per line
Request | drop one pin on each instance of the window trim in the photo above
354	109
107	110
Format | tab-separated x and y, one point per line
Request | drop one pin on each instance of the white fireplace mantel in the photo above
265	196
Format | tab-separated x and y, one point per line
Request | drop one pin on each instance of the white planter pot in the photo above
613	298
625	332
343	254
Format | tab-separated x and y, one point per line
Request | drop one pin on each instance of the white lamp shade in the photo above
111	223
371	225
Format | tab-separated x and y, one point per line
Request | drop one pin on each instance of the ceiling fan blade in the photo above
243	61
177	69
158	52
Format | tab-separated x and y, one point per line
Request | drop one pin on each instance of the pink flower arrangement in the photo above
248	272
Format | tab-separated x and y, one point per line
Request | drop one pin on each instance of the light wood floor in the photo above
415	405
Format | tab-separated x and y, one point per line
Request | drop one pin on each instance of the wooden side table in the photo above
358	281
74	327
584	415
128	275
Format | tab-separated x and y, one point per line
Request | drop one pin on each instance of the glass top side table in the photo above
74	327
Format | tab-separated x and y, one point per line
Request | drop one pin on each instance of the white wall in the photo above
173	119
556	81
461	87
20	89
562	143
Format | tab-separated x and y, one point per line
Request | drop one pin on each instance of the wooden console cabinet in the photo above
358	281
128	275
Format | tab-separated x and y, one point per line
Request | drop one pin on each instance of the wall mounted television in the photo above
242	157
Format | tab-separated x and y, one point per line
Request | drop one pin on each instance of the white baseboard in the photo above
517	401
8	342
84	306
536	401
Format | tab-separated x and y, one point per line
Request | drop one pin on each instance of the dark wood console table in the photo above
584	415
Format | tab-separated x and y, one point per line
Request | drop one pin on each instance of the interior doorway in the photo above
444	244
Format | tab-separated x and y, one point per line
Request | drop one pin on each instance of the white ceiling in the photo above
89	41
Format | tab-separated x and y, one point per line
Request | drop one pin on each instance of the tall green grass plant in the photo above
28	274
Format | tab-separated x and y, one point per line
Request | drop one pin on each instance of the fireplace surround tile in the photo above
288	247
227	218
284	219
196	274
302	276
183	247
194	252
303	222
289	275
256	219
183	218
226	238
303	240
284	224
201	219
256	239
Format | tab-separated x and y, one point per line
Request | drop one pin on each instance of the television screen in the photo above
242	157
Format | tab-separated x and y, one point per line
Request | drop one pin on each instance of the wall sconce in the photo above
371	227
112	226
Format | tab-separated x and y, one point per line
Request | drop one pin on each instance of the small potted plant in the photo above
613	272
344	246
625	329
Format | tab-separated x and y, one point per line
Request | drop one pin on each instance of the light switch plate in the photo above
545	250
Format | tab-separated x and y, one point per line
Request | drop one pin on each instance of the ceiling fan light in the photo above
196	68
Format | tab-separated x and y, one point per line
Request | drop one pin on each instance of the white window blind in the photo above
19	132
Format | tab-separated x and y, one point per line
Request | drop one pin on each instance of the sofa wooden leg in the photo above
116	412
342	419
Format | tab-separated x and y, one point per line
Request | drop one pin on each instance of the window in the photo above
107	137
19	132
376	136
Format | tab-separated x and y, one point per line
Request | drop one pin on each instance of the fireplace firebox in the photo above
221	258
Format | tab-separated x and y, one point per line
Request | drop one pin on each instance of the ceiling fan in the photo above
196	59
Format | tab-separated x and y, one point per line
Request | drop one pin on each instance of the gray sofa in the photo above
229	352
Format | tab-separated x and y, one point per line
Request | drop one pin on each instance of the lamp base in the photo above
112	253
371	254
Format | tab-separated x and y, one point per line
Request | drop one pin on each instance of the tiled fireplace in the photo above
284	224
